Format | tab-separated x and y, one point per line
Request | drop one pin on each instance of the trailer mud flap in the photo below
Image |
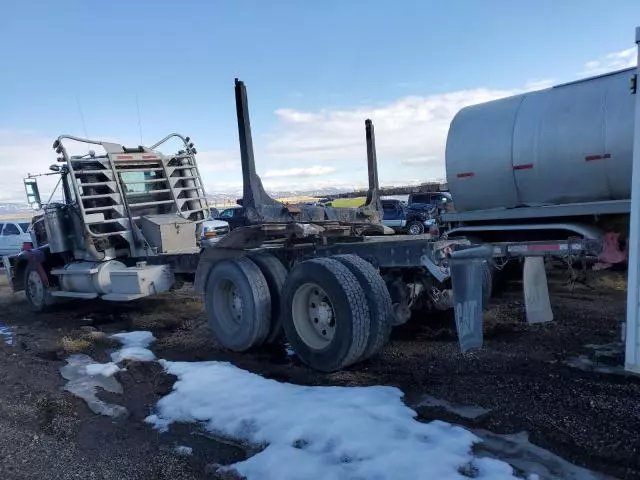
466	280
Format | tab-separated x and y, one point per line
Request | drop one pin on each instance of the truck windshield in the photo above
142	182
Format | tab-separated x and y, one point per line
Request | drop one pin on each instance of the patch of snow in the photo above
6	334
135	346
84	385
133	353
183	450
141	338
104	369
324	433
465	411
85	375
537	462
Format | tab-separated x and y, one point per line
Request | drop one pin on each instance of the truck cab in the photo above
122	215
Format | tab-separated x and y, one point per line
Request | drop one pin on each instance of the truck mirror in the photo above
33	194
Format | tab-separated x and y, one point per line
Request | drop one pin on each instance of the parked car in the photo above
13	234
235	216
405	219
213	230
433	202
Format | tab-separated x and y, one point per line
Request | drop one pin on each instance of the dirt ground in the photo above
521	377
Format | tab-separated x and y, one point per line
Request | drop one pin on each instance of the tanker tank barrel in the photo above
535	145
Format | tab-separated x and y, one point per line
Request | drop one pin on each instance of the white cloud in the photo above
410	136
612	61
21	153
419	161
313	171
540	84
212	162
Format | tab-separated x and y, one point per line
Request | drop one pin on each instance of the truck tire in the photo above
238	304
325	315
415	228
275	274
378	301
36	290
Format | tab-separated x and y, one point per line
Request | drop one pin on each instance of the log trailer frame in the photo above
333	281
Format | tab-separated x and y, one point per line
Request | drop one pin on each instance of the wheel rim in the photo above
35	288
414	229
313	316
229	304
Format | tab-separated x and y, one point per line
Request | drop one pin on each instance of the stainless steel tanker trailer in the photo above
546	165
333	281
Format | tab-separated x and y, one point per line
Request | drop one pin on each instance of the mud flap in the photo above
536	291
8	271
466	280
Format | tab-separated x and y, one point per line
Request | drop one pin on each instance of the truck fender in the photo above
37	258
17	265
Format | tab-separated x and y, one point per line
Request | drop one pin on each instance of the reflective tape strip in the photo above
524	166
591	158
137	157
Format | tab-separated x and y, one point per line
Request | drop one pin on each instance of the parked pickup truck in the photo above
406	219
13	234
432	202
213	229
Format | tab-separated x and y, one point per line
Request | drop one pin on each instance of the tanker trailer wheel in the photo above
325	315
238	304
275	274
415	228
378	301
36	291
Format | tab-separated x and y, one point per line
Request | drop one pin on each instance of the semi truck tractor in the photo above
546	165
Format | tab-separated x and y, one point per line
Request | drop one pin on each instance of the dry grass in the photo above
75	345
157	320
96	337
85	340
192	335
616	281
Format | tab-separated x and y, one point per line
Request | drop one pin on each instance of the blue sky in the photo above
314	70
